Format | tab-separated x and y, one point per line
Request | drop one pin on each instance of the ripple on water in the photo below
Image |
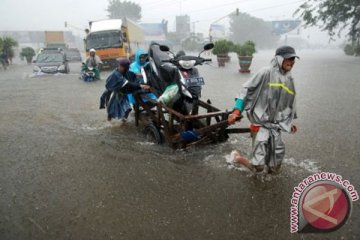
290	165
97	126
42	74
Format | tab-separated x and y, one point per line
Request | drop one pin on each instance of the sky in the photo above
52	14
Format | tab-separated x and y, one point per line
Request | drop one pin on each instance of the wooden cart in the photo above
180	131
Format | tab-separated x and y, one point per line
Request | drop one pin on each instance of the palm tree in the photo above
7	45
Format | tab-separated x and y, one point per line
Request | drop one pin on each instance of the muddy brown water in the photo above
67	173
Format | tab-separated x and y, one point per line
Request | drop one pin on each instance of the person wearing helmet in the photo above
93	61
268	98
118	84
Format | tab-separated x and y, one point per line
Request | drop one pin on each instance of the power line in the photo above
161	3
232	3
208	8
259	9
218	6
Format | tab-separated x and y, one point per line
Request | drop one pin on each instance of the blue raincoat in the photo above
135	68
114	98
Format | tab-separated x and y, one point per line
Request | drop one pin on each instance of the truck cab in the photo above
114	38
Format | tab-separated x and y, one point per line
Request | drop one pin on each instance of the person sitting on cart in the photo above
93	61
269	101
135	67
118	84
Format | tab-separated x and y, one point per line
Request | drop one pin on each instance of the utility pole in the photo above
193	26
180	7
80	31
72	26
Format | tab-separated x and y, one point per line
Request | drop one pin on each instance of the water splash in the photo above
145	143
289	164
307	164
99	126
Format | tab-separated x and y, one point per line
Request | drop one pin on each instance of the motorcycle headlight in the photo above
36	69
187	64
61	68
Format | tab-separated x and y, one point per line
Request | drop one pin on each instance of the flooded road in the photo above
67	173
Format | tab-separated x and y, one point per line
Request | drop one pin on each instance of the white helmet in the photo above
92	50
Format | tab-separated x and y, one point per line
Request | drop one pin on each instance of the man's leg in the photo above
278	155
236	157
257	161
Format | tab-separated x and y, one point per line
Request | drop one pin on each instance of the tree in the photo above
334	16
7	45
28	53
246	27
1	45
120	9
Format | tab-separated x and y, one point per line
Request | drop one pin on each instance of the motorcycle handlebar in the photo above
200	60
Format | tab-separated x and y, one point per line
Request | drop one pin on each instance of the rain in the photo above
78	163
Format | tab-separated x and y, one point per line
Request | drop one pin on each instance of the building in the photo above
183	26
154	32
36	39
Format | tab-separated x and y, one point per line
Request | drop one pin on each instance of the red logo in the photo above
325	206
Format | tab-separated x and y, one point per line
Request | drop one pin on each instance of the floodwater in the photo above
67	173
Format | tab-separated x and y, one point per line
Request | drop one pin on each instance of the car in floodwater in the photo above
51	60
73	55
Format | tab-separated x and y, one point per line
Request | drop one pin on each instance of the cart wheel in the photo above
153	134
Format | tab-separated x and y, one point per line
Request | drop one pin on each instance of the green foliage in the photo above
333	16
244	27
6	46
120	9
352	49
9	42
223	46
246	49
27	53
357	50
349	49
231	45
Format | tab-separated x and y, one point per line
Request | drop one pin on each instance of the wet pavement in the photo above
67	173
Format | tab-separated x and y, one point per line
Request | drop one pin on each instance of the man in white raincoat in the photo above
269	101
93	61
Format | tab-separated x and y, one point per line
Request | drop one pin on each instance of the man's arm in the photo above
98	60
129	87
248	88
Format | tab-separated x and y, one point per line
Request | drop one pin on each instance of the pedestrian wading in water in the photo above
268	98
118	84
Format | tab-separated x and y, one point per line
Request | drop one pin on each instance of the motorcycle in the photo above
166	68
87	73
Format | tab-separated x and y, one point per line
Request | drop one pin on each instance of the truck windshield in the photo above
104	39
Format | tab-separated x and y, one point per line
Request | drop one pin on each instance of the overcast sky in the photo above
51	14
